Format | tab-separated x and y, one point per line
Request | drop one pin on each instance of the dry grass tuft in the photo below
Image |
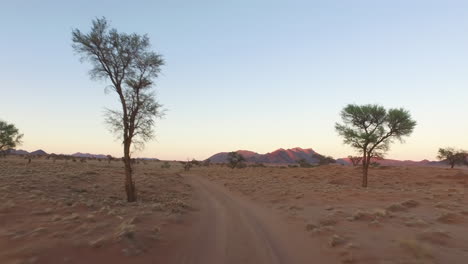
416	249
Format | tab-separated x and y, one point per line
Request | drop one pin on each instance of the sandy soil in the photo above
407	215
231	229
73	212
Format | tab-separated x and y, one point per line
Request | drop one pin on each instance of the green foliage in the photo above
453	156
10	136
304	164
325	160
195	162
126	61
371	129
355	160
235	160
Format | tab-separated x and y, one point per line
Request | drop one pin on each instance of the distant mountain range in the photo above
279	156
41	152
291	156
393	162
88	155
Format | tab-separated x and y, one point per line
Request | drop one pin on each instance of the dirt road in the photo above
231	229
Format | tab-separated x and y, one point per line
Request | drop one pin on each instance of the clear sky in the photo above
256	75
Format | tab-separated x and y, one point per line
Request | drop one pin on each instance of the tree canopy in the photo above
371	129
453	156
235	159
128	64
10	137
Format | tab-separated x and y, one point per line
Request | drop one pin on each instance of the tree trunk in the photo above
129	183
365	168
452	165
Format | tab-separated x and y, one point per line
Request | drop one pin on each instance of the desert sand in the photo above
74	212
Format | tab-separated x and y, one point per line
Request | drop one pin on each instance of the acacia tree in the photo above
234	159
371	129
126	62
452	156
10	136
355	160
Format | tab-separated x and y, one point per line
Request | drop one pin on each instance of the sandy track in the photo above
230	229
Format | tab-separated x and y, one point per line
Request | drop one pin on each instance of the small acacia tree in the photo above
235	159
355	160
10	136
452	156
325	160
371	129
128	64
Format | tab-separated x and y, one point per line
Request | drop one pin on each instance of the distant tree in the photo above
371	129
188	165
109	158
128	63
452	156
325	160
10	137
303	163
195	162
355	160
235	159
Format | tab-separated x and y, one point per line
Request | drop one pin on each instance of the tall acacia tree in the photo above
128	64
10	136
371	128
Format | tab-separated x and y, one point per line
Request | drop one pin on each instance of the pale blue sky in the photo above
255	75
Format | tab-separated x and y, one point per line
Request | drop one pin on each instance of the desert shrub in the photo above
293	166
258	165
235	160
304	163
195	162
165	165
325	160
